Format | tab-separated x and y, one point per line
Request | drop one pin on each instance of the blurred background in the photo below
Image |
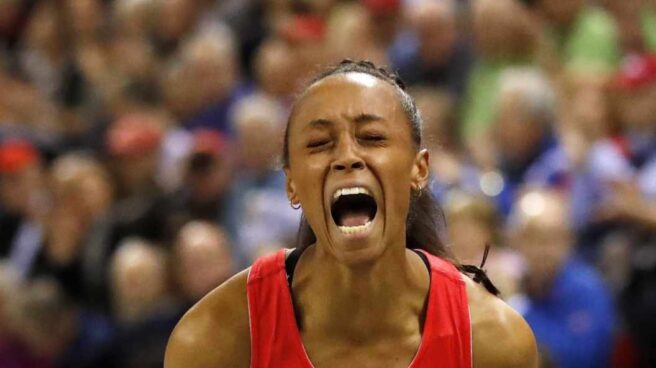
140	144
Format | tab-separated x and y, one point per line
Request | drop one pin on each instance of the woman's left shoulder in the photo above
500	336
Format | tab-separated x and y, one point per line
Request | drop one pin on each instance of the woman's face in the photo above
353	165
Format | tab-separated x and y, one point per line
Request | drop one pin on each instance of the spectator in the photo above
384	17
527	149
209	61
450	164
583	35
566	303
56	333
139	280
81	194
349	34
473	223
22	200
503	37
274	69
143	307
203	259
438	55
264	212
206	192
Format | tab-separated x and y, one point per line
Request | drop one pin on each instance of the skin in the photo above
347	130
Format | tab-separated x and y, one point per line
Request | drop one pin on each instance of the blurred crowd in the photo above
140	159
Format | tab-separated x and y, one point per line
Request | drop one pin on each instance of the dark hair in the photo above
425	224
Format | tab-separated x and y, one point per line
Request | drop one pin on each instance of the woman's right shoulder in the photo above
214	332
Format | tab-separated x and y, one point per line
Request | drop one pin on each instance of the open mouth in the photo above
353	209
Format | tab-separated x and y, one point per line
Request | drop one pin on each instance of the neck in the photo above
360	305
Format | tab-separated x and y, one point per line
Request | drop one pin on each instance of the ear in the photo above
290	187
420	170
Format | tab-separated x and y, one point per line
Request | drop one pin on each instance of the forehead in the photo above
349	94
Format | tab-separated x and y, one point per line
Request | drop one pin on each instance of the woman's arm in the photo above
215	332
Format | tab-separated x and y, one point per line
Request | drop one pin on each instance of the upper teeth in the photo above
350	191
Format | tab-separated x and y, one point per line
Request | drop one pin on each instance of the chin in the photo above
358	249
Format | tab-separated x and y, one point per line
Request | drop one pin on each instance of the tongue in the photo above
354	219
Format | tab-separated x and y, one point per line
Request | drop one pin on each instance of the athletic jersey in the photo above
276	340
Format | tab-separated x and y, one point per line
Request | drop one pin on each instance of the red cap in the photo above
133	134
636	71
382	7
15	155
304	28
209	142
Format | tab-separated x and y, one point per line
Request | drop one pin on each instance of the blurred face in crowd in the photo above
181	96
203	259
139	278
350	130
20	189
136	173
349	35
43	318
81	192
586	105
134	140
502	29
274	68
437	113
43	31
561	12
518	134
541	233
133	57
384	26
259	151
469	236
470	227
210	61
435	25
208	177
176	18
259	133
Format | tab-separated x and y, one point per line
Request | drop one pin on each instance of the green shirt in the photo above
591	43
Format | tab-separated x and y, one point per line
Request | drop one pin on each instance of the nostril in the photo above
340	167
357	165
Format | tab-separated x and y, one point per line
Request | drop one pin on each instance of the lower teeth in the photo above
354	229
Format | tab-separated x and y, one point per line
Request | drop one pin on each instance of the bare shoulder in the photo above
215	331
501	337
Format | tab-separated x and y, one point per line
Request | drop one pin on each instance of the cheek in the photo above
394	171
308	177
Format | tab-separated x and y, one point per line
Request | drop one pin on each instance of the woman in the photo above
369	284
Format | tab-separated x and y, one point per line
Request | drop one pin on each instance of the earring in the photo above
417	191
297	206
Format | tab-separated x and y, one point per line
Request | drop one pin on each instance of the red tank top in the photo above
276	341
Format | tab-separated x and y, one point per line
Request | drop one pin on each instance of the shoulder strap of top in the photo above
447	328
267	265
275	340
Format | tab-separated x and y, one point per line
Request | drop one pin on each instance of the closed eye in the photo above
317	144
373	138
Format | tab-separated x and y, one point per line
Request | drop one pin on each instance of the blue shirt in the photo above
575	322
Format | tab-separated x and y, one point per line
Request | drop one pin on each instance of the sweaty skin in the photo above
350	130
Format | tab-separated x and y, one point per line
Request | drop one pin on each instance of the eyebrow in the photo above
366	118
358	119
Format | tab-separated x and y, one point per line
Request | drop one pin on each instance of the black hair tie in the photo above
479	275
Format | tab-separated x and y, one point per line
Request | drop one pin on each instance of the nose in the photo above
347	158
